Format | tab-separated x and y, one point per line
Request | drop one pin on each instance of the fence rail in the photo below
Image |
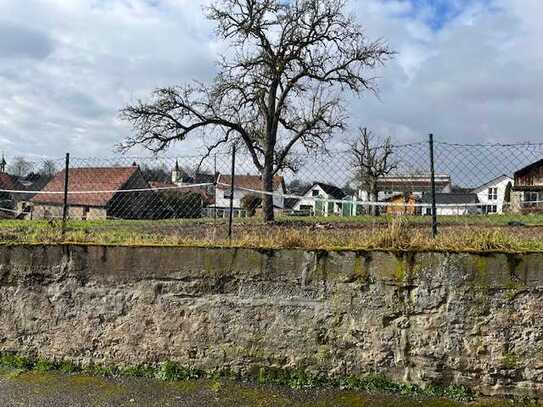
428	182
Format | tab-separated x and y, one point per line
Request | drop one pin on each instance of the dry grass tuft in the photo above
396	234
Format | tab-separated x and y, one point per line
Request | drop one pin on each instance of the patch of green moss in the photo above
185	379
12	360
400	270
171	371
510	361
44	365
481	267
68	367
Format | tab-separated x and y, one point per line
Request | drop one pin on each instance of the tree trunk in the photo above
267	184
374	197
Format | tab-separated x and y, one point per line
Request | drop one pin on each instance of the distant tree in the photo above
181	205
371	160
297	187
20	167
48	169
159	173
349	190
281	85
507	196
251	202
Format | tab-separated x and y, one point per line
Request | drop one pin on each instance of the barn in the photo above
107	202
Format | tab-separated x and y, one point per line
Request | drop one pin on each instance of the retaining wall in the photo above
422	318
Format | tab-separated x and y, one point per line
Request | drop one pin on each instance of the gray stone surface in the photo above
418	317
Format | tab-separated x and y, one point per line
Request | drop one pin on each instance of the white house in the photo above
492	194
243	184
320	206
452	204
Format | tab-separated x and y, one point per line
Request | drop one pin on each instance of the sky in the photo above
468	71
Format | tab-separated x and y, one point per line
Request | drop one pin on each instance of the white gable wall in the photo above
222	197
309	201
487	200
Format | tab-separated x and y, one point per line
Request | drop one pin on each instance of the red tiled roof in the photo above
86	179
247	181
8	182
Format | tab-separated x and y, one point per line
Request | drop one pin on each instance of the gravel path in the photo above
56	390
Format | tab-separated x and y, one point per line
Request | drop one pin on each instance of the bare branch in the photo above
280	88
371	162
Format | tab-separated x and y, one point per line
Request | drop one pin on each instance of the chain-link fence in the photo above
208	198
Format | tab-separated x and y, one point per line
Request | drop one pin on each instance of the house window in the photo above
315	192
86	211
227	195
531	197
492	209
492	194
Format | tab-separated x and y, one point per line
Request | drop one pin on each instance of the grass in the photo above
491	220
400	234
296	379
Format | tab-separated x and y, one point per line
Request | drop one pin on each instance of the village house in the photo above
105	203
181	177
390	187
11	203
452	204
492	195
527	191
402	204
185	202
245	185
321	200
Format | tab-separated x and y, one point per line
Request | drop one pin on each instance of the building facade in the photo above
100	196
245	185
527	190
492	195
321	200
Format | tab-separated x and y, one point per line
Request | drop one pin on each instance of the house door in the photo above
330	208
347	209
319	208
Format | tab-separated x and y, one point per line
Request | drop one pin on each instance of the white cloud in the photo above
68	66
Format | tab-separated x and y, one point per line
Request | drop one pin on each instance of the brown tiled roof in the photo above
529	168
9	182
247	181
87	179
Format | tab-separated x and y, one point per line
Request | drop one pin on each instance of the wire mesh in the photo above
191	197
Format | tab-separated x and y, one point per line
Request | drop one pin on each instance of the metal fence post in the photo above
231	214
215	177
433	181
65	203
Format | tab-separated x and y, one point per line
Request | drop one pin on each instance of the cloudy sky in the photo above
466	70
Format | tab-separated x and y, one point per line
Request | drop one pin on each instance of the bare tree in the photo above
371	161
20	167
280	86
48	169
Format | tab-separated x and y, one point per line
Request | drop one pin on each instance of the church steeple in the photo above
176	173
3	164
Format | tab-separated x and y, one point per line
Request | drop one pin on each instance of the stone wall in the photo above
42	211
464	319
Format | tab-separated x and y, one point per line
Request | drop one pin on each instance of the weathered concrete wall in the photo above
420	318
